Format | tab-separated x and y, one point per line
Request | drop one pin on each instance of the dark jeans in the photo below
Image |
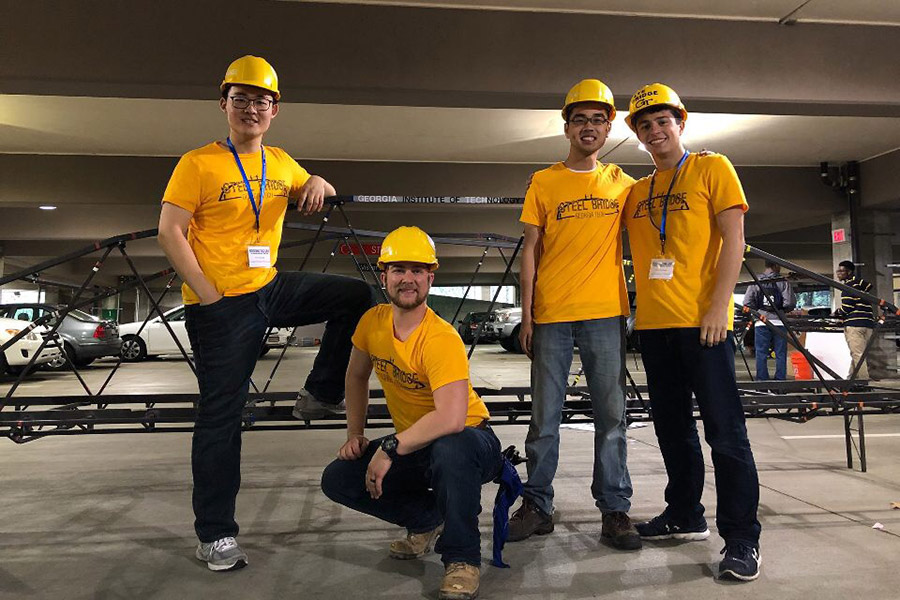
676	365
763	341
226	338
440	483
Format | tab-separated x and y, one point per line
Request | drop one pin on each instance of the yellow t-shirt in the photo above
410	371
208	183
705	187
579	276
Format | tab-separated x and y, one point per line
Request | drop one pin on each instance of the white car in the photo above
507	320
155	339
17	356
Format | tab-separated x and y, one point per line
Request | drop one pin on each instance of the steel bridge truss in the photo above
27	418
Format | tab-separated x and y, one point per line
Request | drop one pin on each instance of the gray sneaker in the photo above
307	408
222	555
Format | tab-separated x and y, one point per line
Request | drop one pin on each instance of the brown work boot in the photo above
618	529
415	544
460	582
529	520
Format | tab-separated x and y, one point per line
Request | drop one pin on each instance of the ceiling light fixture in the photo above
47	207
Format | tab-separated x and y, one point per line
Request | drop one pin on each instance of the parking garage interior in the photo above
445	109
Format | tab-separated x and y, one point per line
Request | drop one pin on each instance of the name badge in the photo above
259	256
662	268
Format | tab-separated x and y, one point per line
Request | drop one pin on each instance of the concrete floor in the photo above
109	516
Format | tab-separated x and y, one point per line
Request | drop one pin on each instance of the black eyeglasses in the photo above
581	120
260	104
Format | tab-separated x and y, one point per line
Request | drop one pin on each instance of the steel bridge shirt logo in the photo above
677	201
402	378
234	190
586	208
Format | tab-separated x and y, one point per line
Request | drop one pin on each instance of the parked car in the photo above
279	337
85	337
155	339
469	325
508	322
18	355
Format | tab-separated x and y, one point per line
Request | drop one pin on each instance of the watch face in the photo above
389	444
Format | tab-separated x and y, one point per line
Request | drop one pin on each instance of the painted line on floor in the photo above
834	436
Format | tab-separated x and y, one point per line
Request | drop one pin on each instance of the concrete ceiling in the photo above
436	98
165	127
868	12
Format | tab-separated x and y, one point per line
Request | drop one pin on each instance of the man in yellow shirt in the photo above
573	293
220	226
427	477
686	230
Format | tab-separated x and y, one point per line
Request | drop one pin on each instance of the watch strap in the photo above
389	445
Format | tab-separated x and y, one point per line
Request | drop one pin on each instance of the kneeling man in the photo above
427	476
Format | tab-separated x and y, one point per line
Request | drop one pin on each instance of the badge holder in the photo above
662	267
259	256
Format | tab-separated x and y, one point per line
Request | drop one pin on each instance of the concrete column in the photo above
840	250
876	253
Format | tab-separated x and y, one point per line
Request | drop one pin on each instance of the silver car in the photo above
85	337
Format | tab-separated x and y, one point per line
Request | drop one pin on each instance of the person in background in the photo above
858	317
781	293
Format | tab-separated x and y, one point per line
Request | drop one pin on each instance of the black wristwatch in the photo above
389	446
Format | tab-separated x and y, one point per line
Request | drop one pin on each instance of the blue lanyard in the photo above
665	204
262	184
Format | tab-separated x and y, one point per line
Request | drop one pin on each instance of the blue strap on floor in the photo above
510	489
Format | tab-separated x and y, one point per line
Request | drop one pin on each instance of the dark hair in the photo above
771	265
847	265
227	87
655	108
572	106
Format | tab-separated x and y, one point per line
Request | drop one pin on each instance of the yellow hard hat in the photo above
655	94
252	70
590	90
408	244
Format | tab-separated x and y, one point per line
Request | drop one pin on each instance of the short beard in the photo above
395	300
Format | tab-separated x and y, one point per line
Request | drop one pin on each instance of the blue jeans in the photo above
677	366
226	338
440	483
763	341
601	343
